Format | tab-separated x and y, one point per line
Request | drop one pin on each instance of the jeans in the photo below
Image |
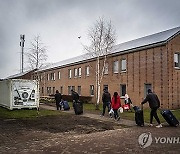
154	114
104	107
116	115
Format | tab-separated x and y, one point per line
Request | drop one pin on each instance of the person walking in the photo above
116	104
106	99
127	101
154	104
58	98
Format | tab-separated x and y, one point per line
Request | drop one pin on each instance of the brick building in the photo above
132	67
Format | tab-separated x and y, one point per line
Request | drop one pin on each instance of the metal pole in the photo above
22	38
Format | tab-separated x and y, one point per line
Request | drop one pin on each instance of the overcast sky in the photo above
60	22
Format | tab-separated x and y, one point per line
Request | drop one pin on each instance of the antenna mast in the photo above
22	40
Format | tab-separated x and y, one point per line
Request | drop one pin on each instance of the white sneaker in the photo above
159	126
150	125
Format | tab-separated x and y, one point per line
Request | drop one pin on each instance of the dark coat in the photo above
153	100
58	98
75	96
106	97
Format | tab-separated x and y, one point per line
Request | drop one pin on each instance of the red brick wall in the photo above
154	66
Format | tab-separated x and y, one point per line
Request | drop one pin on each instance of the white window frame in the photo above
92	90
59	75
79	71
116	66
87	70
123	65
75	72
106	68
69	73
48	77
177	60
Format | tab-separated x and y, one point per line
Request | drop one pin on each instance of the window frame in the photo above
116	70
123	65
122	93
92	90
177	60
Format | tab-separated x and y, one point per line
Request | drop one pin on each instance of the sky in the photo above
59	23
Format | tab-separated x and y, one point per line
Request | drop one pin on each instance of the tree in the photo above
102	38
37	53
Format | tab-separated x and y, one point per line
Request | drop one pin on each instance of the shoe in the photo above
159	126
150	125
101	115
118	118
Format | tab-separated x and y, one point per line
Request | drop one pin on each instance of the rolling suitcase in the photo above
78	108
139	117
170	118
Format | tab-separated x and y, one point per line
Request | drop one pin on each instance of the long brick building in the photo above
132	67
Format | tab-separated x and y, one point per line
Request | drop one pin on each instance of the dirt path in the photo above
88	134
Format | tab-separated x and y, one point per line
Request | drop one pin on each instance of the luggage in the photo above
65	105
170	118
139	117
126	107
78	107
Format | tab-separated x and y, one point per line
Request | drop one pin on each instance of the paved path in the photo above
93	116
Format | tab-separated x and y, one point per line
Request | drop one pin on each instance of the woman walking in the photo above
116	104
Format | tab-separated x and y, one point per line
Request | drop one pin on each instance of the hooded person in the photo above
154	104
106	99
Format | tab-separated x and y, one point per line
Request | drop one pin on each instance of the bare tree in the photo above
102	38
37	54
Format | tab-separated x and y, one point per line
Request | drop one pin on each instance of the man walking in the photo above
58	98
154	104
106	99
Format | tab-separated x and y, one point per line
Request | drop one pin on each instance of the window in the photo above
69	90
79	90
146	87
48	90
69	73
42	90
105	87
87	70
53	90
123	65
59	75
47	77
79	71
52	76
75	72
115	67
106	68
177	60
61	89
92	90
122	89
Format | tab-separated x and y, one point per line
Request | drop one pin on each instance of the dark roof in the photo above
154	39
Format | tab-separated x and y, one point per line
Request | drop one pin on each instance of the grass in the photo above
25	113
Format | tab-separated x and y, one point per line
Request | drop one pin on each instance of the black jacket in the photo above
75	96
153	100
106	97
58	98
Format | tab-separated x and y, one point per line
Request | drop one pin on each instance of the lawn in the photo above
25	113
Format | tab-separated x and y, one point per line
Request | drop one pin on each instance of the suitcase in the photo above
170	118
139	117
65	105
78	108
126	107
